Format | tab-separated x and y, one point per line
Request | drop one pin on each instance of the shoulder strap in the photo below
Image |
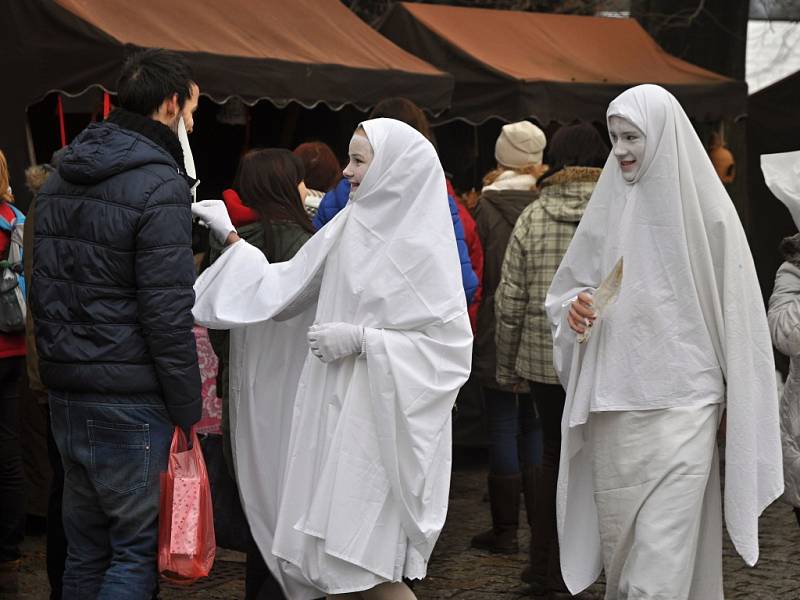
19	218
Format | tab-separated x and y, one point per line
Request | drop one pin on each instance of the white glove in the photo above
214	215
332	341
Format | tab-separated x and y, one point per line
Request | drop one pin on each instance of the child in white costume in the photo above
685	340
343	452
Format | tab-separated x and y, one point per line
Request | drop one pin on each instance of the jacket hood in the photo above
790	248
104	150
508	204
565	194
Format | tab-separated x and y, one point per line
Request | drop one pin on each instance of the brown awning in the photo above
552	67
306	51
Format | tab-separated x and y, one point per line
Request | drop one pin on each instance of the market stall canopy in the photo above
514	65
306	51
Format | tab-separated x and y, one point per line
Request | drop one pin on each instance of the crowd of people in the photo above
603	297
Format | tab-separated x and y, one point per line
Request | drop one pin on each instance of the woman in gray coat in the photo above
784	325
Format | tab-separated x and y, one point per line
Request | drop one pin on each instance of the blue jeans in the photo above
113	449
515	437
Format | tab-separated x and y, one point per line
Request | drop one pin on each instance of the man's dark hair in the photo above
151	76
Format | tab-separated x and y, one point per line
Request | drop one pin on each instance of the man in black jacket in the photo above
112	297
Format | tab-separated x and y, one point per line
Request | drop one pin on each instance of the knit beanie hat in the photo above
520	144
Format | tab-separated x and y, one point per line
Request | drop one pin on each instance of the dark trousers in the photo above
514	436
56	540
12	476
544	550
113	449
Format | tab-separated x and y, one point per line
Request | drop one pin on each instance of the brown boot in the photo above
504	503
9	579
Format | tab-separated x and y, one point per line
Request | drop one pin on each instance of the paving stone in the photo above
457	572
456	566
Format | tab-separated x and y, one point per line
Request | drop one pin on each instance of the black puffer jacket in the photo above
113	270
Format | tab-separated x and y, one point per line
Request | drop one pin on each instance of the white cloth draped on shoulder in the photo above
344	468
688	328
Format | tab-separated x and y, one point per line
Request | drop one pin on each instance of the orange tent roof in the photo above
314	32
306	51
515	64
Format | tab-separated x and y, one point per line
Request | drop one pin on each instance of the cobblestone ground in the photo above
460	573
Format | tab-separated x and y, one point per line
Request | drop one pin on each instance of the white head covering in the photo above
362	482
689	312
658	314
782	176
399	231
393	244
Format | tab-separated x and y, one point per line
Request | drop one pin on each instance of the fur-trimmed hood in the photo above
790	248
565	194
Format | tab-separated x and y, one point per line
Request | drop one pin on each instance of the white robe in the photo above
344	468
661	526
689	314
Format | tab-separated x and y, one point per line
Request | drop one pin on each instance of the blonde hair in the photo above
5	192
535	170
5	184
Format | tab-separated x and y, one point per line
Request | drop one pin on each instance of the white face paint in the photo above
360	154
628	144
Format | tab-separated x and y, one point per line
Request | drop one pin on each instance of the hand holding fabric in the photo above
332	341
214	215
581	314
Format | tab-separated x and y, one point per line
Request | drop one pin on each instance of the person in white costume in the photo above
684	340
342	452
782	176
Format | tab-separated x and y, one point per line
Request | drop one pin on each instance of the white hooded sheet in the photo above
356	494
782	176
689	326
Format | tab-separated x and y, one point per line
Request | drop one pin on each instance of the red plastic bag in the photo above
186	543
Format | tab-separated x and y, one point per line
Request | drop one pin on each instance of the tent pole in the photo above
475	152
61	127
29	139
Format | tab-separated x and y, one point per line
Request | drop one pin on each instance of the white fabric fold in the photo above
665	519
689	320
361	483
188	157
782	176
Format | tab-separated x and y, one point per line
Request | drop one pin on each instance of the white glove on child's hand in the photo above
214	215
332	341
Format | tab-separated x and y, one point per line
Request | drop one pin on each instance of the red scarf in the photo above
239	213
